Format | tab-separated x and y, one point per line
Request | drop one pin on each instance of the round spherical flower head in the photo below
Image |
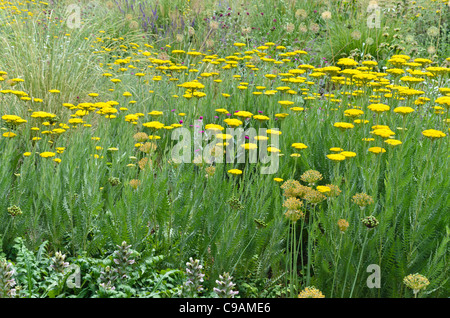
311	292
370	222
47	154
362	199
235	171
314	196
416	282
311	176
433	133
343	225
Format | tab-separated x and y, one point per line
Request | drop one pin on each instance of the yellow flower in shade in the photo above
235	171
343	225
47	154
311	176
433	134
311	292
362	199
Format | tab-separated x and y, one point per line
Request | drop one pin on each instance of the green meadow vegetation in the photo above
349	100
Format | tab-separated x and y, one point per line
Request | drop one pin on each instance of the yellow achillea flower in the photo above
403	110
336	157
235	171
311	292
47	154
348	154
323	189
378	108
416	282
299	146
343	126
154	125
433	134
343	225
377	150
9	134
393	142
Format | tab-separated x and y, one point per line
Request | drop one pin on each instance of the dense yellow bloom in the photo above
379	108
433	133
377	150
336	157
154	125
47	154
403	110
235	171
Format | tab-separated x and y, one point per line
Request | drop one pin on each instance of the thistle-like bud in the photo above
58	262
114	181
14	211
7	282
193	285
122	260
370	222
225	286
235	203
